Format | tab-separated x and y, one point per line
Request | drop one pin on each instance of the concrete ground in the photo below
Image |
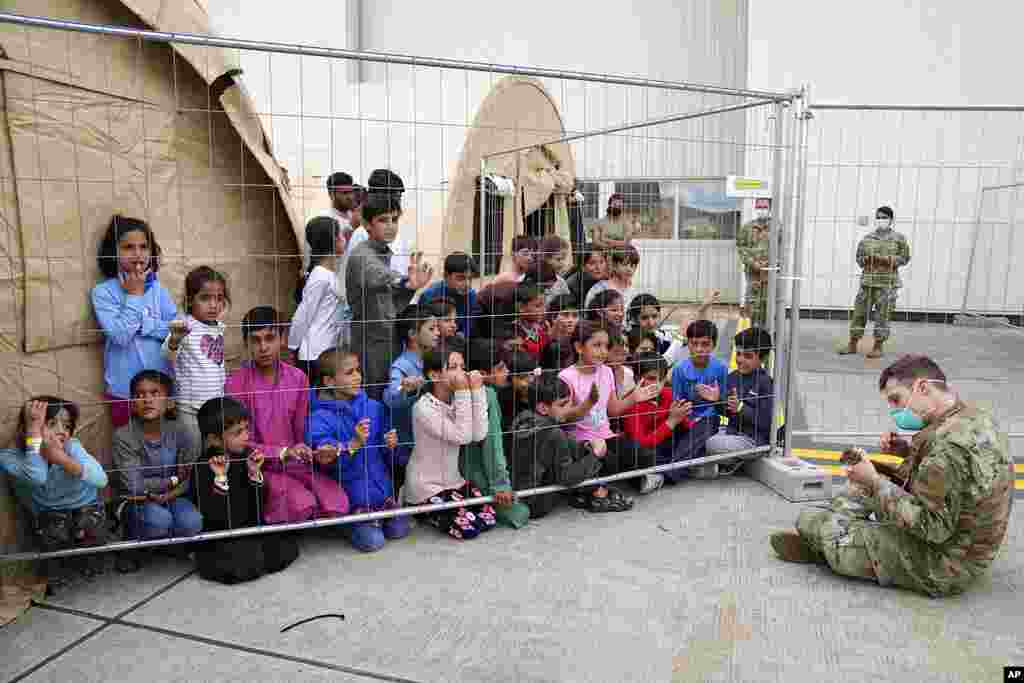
840	393
682	588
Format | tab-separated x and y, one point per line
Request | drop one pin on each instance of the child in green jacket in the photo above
483	462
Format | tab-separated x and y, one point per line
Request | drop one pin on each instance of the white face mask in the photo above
761	214
881	223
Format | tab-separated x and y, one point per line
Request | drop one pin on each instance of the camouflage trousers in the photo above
868	298
837	536
757	301
853	545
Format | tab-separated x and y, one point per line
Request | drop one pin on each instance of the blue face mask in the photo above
906	420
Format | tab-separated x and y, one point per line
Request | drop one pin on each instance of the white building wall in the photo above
321	121
928	166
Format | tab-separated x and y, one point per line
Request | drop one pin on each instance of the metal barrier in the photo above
950	174
198	164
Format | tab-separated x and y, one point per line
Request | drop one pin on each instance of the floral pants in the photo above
461	523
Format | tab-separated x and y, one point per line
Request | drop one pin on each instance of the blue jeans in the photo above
370	536
687	444
150	520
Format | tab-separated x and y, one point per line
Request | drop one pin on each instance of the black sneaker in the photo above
128	562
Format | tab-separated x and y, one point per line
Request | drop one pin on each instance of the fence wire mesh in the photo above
949	174
228	150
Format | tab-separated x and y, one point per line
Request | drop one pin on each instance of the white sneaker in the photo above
651	483
709	471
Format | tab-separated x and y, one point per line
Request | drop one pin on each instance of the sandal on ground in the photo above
614	501
127	562
579	499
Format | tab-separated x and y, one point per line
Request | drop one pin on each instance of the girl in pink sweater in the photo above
452	414
277	396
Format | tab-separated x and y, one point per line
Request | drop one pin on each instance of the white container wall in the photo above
927	165
321	120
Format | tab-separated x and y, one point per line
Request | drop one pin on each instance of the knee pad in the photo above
810	522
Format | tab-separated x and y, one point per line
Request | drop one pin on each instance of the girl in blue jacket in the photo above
353	441
133	309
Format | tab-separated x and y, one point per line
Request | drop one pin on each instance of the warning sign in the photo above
751	188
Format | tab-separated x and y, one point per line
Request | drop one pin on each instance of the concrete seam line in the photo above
88	615
215	642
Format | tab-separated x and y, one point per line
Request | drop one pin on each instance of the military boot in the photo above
876	352
789	546
851	348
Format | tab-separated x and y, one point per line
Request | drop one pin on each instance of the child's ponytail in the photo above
321	234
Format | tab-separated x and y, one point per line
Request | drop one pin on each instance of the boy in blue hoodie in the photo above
700	379
351	434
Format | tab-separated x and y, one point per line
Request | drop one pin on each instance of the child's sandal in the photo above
612	502
579	500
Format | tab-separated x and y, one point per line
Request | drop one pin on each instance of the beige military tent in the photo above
517	112
95	125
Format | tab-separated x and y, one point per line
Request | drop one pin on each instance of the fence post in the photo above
775	261
784	210
482	227
800	139
776	225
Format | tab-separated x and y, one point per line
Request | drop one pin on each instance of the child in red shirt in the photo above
652	424
530	329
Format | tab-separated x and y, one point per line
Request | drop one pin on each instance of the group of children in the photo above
536	380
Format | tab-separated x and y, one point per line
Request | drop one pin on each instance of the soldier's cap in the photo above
616	196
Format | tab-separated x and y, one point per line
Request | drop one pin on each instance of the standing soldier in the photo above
880	255
752	245
615	231
935	523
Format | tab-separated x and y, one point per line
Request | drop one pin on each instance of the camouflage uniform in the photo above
941	531
879	282
752	245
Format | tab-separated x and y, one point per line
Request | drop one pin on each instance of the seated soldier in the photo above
939	519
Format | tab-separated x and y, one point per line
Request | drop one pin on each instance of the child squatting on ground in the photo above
355	431
228	489
592	384
416	332
153	456
276	395
749	396
484	463
452	413
55	478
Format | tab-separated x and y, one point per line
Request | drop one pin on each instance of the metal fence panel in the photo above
199	167
951	175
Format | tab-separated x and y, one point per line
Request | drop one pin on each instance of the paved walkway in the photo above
682	588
